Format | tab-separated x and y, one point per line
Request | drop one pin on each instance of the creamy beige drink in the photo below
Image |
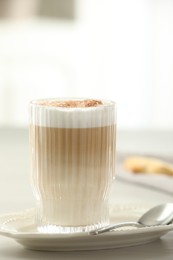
73	153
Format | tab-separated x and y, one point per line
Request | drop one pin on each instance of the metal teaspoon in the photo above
158	215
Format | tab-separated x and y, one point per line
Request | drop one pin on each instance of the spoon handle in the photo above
112	227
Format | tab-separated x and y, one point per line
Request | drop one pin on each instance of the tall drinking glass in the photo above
72	145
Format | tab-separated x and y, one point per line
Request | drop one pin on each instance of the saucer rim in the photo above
29	213
80	241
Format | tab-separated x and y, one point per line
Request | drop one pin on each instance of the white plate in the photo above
20	226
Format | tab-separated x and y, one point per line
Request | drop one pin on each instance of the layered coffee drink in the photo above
72	162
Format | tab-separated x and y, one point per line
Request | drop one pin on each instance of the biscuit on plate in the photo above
142	164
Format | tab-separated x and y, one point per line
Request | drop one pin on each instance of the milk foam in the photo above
74	117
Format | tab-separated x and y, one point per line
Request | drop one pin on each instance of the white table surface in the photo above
16	195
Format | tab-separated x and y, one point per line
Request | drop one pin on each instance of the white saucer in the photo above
20	226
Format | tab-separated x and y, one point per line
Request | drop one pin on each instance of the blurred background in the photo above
113	49
120	50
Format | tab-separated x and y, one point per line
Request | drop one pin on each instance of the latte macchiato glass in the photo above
72	162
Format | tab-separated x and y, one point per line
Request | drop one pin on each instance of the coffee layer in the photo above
72	170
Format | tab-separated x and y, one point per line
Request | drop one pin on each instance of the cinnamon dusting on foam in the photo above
72	103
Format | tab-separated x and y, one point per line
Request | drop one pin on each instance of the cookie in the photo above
140	164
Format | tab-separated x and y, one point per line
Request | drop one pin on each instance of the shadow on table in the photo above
147	251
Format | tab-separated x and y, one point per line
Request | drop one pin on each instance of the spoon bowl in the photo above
158	215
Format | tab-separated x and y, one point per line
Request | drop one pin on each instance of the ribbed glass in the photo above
72	165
